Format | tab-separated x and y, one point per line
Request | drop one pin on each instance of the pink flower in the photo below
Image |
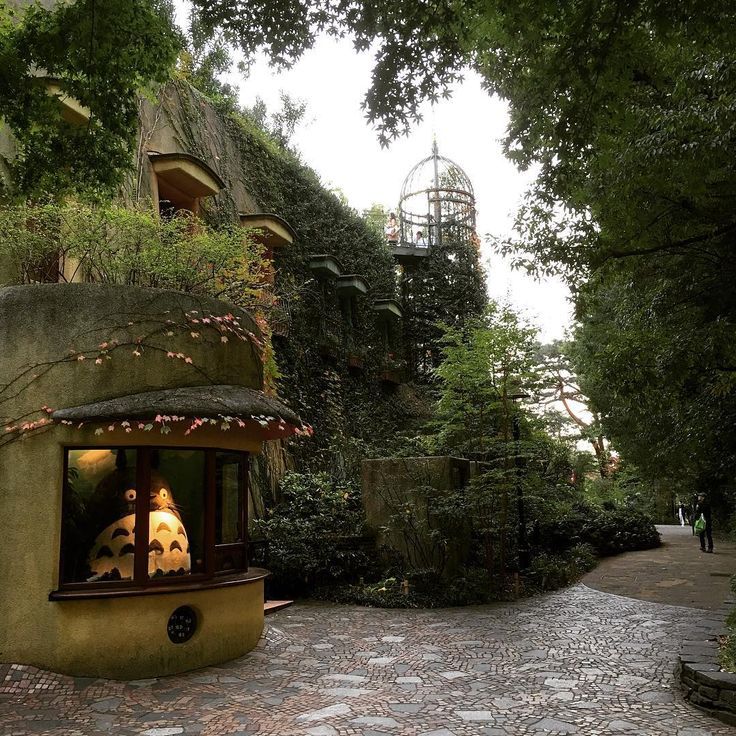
98	361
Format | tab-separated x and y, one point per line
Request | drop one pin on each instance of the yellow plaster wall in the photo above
122	637
125	638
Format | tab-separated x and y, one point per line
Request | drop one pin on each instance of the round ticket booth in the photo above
129	417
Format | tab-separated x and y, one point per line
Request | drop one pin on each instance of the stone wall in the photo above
398	498
703	683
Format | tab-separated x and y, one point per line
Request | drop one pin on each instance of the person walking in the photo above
682	513
702	508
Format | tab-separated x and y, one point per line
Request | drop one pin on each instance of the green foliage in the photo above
312	531
654	354
627	110
203	61
385	593
115	244
447	287
419	53
727	654
350	413
482	366
549	571
624	487
611	531
280	124
426	590
103	54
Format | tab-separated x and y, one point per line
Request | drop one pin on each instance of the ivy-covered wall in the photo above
353	411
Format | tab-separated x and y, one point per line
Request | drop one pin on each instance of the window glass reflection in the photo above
176	517
98	535
229	500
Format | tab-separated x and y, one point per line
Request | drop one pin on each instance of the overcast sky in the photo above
339	145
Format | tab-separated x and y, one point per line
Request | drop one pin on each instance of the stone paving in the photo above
578	661
677	573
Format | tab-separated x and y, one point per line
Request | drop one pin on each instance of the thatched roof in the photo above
190	401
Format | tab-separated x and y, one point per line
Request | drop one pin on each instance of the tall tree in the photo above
629	111
483	367
563	390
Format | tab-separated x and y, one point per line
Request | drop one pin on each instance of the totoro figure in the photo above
113	505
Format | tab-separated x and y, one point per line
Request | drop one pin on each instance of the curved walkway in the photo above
677	573
576	661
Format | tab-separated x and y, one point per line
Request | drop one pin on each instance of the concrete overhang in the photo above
71	110
388	309
271	231
325	265
351	284
186	173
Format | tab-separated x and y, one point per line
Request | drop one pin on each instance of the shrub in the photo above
727	653
620	529
551	571
314	533
426	590
119	245
609	529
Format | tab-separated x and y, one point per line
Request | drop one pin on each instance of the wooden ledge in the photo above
159	587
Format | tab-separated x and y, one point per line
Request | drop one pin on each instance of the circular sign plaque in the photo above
182	624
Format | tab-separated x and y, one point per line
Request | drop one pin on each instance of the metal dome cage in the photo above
437	205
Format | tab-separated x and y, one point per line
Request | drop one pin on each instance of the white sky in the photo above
338	144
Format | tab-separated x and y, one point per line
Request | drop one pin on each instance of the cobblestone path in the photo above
576	661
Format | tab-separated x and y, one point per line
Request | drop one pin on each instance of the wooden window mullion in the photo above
210	511
142	506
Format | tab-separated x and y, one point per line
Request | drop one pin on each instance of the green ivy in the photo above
103	53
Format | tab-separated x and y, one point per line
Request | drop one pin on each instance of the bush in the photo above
426	590
619	529
119	245
609	529
551	571
727	653
314	534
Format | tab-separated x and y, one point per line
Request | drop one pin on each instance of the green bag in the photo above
700	525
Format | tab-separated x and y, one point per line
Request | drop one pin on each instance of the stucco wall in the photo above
43	328
122	637
181	120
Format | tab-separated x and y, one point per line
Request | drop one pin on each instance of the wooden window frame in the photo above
141	581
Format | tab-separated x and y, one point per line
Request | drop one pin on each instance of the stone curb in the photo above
699	672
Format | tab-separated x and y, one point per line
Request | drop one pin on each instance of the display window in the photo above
190	522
